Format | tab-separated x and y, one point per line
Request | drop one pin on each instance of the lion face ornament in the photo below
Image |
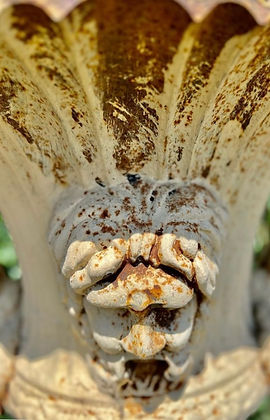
139	262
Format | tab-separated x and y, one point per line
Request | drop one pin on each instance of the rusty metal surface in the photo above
198	9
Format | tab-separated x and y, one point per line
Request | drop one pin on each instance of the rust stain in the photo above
216	411
158	340
164	317
156	291
184	196
176	247
154	257
28	20
257	88
43	41
132	406
222	24
12	92
8	91
133	55
129	269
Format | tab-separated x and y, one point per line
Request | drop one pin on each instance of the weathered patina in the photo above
135	148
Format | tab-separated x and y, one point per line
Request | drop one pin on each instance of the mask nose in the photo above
138	287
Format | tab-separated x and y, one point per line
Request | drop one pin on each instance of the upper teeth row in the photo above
85	265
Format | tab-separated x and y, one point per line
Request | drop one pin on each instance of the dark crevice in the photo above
110	278
133	179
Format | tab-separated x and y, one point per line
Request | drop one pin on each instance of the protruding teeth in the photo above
143	341
178	370
135	246
78	255
118	367
110	345
120	244
189	247
153	257
80	280
108	326
182	327
104	262
140	245
100	265
170	255
148	241
206	272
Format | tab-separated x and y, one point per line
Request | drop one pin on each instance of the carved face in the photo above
139	259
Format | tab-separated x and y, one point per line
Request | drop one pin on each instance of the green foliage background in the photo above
8	258
9	261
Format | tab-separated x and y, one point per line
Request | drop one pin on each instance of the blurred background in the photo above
8	260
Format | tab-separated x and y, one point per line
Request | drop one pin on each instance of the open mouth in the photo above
145	377
148	378
86	266
140	285
140	299
138	261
